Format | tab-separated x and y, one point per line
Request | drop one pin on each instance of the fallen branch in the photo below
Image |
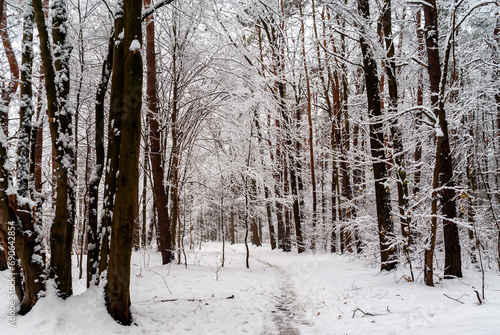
162	277
364	313
447	296
195	300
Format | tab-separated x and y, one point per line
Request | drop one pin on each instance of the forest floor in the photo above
281	293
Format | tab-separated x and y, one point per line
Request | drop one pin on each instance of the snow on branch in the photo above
153	8
419	2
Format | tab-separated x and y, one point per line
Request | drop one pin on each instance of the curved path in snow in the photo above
288	312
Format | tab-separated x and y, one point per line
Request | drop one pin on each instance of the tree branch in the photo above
156	6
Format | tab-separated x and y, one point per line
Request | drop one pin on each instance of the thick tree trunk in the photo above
453	263
126	207
19	231
382	192
56	67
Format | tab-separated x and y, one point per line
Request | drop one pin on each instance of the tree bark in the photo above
114	139
93	240
496	33
231	219
453	263
126	207
175	153
159	188
420	102
396	133
19	229
382	192
56	58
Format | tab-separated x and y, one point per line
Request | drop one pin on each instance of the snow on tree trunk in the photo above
114	138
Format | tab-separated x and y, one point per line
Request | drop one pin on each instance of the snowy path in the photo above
281	293
288	312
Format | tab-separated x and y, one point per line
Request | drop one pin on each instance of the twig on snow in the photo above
364	313
447	296
163	277
194	300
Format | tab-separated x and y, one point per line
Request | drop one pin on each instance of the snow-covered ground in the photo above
280	294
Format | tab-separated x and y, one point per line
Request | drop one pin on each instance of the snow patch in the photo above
135	46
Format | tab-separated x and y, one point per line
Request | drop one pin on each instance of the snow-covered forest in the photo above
250	166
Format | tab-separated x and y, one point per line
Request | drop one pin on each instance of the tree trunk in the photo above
56	59
396	133
431	241
470	195
19	229
357	176
420	102
453	263
231	218
382	193
92	236
255	233
114	139
496	33
287	243
269	212
126	207
311	146
144	240
278	193
175	153
159	188
3	253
